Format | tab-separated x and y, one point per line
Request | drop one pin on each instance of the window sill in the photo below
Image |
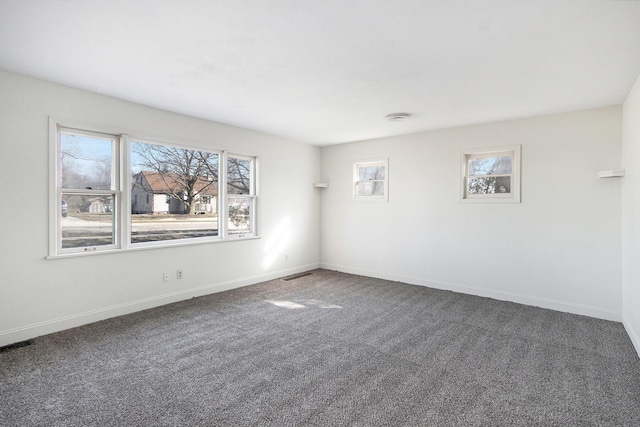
150	247
490	200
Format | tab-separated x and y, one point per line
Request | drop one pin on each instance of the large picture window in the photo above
174	193
491	175
116	192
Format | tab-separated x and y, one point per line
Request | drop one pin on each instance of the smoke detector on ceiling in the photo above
397	117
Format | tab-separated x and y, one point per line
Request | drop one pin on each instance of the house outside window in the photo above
491	175
178	195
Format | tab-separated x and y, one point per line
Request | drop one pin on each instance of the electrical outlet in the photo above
286	257
165	277
179	274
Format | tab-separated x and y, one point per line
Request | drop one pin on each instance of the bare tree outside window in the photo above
87	189
85	164
240	200
175	193
491	175
370	180
185	174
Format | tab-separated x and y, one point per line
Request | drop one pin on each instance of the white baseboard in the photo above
27	332
633	334
564	306
11	336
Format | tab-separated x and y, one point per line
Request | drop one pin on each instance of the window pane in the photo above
174	193
153	228
367	173
238	176
239	215
86	162
370	188
490	166
87	220
489	185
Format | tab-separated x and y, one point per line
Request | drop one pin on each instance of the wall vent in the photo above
14	346
295	276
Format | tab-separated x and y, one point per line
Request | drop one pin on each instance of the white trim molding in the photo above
633	335
23	333
551	304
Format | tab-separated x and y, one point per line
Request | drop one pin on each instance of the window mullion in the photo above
55	192
493	175
223	212
73	191
124	179
255	226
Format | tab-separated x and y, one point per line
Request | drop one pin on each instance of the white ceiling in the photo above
329	71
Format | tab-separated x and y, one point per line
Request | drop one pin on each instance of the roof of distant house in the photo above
165	183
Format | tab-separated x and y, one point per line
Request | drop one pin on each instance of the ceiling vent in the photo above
398	117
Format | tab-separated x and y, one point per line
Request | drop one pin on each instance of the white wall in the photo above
631	215
560	248
38	296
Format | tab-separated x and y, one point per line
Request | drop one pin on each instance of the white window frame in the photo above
252	197
127	229
356	175
513	151
56	195
121	179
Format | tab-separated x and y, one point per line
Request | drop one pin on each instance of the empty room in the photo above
328	213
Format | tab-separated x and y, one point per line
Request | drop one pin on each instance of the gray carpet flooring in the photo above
328	349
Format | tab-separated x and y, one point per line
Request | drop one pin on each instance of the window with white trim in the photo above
371	180
241	195
174	183
87	186
115	192
491	175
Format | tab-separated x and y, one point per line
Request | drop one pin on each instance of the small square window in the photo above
371	180
491	175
